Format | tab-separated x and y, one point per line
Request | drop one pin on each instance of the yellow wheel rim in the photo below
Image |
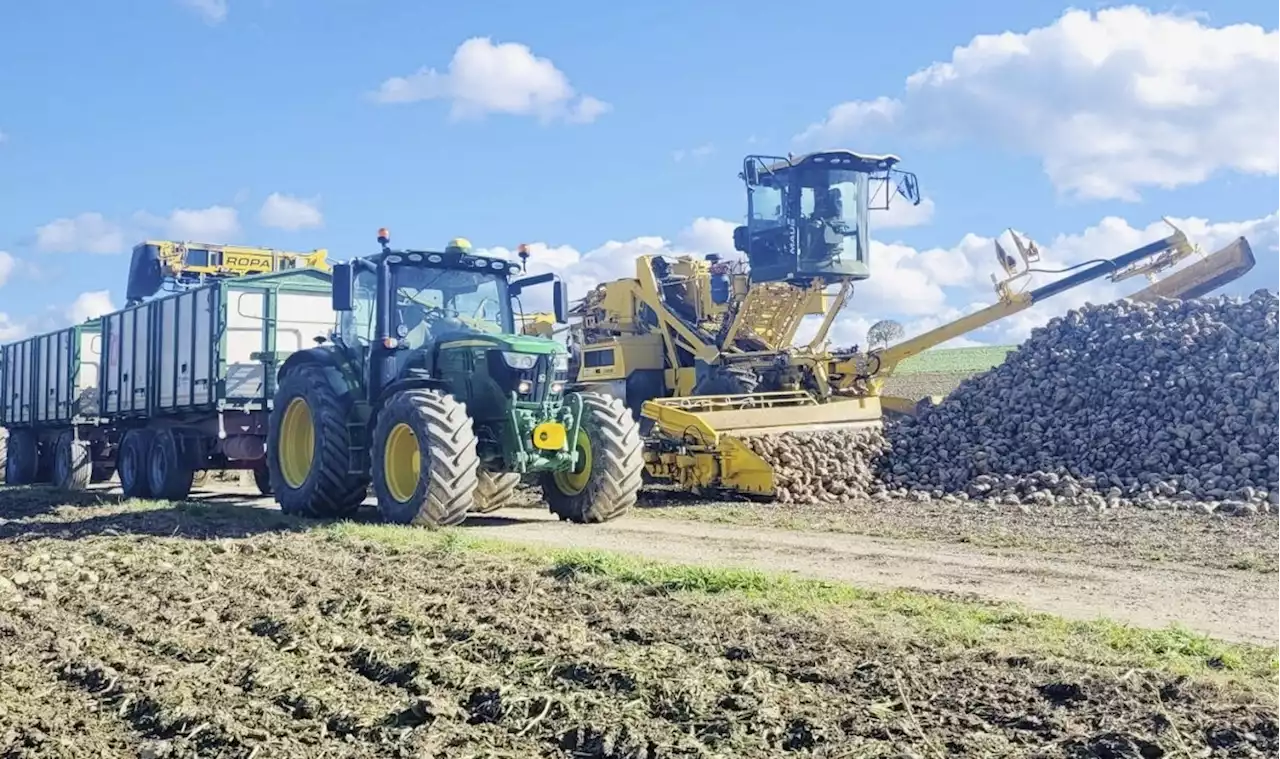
575	481
401	462
297	443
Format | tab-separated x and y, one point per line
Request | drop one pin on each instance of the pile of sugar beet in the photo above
1171	404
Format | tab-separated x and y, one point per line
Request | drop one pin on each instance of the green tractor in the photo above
426	391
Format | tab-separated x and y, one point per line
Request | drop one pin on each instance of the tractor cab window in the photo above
356	326
432	303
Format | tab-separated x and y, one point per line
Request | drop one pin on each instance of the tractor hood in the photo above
515	343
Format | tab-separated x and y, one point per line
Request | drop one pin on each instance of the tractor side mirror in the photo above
343	282
560	301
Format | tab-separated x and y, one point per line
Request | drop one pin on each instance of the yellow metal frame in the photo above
234	260
699	441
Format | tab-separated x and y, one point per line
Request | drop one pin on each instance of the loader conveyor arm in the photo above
884	362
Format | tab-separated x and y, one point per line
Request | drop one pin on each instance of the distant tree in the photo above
883	332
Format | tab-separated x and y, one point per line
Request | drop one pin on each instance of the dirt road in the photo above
1233	605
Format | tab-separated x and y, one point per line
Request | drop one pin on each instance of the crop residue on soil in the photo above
303	644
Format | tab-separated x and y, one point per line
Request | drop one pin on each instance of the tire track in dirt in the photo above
1228	604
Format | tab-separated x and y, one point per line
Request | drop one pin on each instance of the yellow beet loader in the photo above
704	351
167	264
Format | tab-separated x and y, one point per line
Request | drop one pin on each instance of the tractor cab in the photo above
449	316
807	216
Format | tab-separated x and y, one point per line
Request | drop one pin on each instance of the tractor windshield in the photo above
431	303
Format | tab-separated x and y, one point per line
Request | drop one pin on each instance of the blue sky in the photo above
604	130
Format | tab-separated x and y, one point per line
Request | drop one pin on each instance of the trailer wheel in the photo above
168	472
132	463
494	490
22	464
424	459
308	448
72	463
262	478
605	481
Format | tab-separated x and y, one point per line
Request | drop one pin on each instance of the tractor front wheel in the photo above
424	460
309	448
495	490
606	478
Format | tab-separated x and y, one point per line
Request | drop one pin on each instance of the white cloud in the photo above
702	151
89	305
88	232
709	235
11	329
287	212
7	264
484	78
1110	102
901	213
211	11
215	224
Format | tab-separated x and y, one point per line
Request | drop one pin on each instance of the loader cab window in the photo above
432	303
765	205
833	205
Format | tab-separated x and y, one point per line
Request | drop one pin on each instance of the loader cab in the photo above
808	217
446	317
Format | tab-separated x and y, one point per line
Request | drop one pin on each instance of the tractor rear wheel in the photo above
132	463
607	477
72	463
494	490
309	445
424	459
23	459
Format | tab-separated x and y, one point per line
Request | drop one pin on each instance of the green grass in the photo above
955	360
935	620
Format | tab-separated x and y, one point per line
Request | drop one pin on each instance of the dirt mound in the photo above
308	644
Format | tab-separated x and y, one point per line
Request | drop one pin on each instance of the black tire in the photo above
444	490
494	490
23	463
328	489
72	463
262	478
728	380
132	463
616	465
168	472
4	455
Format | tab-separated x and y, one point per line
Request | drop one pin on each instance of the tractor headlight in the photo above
522	361
560	362
524	387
